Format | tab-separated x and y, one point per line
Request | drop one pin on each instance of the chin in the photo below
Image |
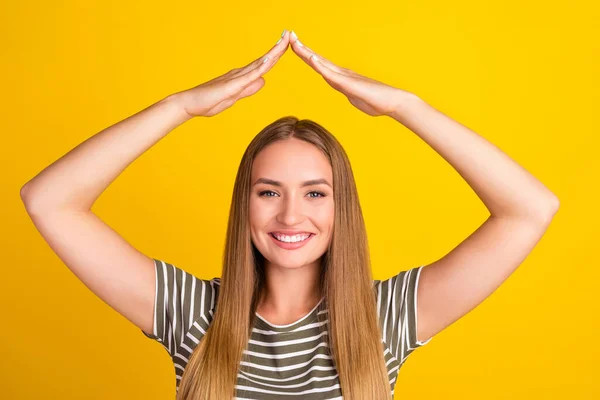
291	266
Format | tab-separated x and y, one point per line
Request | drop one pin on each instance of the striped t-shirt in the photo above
288	361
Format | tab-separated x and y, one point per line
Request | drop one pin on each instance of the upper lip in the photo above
291	233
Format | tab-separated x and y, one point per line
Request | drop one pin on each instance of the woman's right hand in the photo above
220	93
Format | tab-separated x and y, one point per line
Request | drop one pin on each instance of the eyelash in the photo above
270	191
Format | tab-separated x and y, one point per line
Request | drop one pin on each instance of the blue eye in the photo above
264	192
319	193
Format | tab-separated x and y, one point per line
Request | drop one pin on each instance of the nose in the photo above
291	212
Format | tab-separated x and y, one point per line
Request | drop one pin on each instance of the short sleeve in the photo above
180	299
397	312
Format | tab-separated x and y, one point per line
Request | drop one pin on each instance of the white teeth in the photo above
290	239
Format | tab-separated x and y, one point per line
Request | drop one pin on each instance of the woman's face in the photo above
285	204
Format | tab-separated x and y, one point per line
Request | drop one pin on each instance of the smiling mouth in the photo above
298	241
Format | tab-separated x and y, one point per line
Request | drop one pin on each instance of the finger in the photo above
235	85
274	54
337	81
244	77
251	89
228	102
305	53
334	79
331	75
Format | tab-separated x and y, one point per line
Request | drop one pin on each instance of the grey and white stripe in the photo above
283	361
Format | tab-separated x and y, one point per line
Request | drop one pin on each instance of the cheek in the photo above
324	215
258	214
259	217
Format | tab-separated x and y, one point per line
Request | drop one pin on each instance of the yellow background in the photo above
524	75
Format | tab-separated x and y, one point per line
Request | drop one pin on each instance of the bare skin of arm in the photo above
59	199
521	207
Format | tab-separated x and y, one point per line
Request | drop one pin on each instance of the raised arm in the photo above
76	180
59	199
521	207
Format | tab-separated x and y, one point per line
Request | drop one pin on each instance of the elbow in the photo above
549	209
23	192
26	196
542	212
554	206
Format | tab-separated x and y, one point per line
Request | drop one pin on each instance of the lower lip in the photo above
290	245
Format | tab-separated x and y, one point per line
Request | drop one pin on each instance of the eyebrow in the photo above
306	183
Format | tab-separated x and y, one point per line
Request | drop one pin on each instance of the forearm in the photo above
506	189
77	179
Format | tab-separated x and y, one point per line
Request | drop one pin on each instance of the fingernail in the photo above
299	43
294	36
282	34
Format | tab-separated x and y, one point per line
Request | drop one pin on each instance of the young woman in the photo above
295	313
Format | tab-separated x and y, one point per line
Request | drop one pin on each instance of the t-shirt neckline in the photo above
288	327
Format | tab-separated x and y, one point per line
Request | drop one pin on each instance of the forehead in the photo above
291	160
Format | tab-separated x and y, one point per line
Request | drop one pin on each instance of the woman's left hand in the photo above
368	95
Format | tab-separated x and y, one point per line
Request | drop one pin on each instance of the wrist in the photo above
404	100
177	102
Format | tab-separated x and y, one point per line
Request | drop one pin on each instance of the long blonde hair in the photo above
354	335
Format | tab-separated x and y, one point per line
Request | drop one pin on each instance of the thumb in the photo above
251	89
